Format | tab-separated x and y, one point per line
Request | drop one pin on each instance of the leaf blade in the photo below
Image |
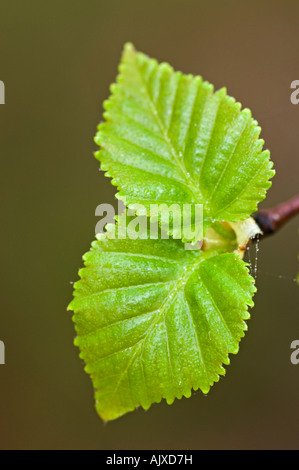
169	134
160	322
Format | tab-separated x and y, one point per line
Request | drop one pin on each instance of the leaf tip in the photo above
129	49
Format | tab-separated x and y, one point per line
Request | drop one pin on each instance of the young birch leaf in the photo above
156	321
168	138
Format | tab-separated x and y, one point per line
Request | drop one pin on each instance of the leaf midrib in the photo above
196	192
171	296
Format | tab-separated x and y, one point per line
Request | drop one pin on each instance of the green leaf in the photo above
168	138
155	320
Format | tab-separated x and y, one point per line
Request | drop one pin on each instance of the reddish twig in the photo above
271	220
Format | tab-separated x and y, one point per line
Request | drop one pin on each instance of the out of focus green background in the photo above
57	59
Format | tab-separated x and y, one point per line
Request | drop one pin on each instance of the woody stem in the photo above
271	220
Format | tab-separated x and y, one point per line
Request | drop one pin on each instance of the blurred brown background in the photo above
57	60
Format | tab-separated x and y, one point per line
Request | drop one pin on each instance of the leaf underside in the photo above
155	320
